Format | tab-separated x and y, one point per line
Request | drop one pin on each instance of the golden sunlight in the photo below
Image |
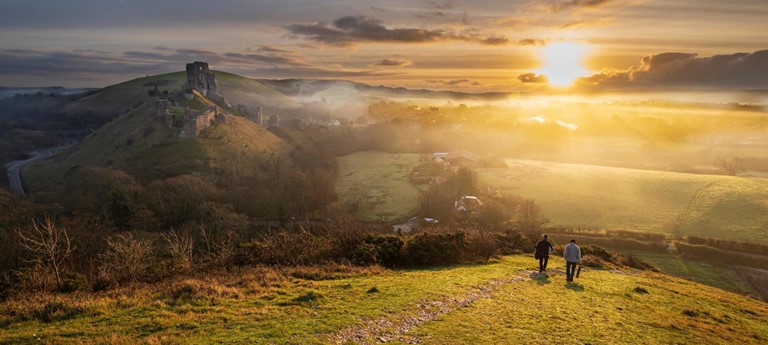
563	62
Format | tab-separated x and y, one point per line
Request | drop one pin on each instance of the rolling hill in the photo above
500	302
713	206
142	145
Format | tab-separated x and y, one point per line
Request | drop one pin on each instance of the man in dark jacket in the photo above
542	253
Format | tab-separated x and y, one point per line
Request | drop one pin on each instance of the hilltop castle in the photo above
202	80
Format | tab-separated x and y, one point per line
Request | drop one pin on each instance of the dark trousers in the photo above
543	263
570	270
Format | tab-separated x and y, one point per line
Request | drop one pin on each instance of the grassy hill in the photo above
121	98
713	206
499	302
141	145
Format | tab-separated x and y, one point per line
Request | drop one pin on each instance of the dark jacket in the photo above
542	249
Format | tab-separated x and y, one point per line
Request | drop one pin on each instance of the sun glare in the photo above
563	62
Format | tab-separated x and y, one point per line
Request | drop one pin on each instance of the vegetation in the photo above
375	185
468	304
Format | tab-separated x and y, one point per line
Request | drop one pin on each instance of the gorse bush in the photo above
436	248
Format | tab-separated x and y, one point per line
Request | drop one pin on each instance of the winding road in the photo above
14	167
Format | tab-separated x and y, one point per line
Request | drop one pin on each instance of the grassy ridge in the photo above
268	305
383	178
711	206
604	308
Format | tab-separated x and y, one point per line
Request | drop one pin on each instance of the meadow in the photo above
713	206
380	182
466	304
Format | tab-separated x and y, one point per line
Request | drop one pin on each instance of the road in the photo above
14	167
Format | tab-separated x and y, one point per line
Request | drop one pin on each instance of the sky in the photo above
474	46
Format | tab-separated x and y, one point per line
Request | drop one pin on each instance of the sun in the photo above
563	62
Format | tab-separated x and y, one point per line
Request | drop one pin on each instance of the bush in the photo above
74	282
510	242
386	250
482	245
126	259
436	248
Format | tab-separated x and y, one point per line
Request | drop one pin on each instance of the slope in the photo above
712	206
141	144
499	302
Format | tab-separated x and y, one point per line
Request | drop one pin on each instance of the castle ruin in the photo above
200	78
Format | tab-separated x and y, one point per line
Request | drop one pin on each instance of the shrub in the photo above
482	245
387	250
436	248
180	245
510	242
74	282
126	259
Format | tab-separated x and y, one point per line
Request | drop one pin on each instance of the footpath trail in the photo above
395	327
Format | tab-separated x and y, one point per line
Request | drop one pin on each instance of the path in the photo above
395	327
14	167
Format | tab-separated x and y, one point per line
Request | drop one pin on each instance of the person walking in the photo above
543	248
572	255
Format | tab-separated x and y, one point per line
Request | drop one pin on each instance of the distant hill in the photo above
142	145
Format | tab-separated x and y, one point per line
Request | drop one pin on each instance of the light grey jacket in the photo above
572	253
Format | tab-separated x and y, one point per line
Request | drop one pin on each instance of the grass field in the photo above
726	207
383	180
499	302
700	272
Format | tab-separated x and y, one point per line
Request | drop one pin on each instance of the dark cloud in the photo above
392	63
578	4
532	42
495	41
350	30
739	70
266	62
377	9
454	82
532	78
457	82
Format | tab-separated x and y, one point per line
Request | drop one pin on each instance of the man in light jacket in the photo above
572	254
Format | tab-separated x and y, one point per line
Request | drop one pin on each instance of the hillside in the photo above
142	145
121	98
713	206
499	302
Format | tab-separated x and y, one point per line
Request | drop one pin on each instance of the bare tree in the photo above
49	245
732	166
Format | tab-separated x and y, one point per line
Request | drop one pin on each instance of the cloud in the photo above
532	78
739	70
578	4
64	66
392	63
532	42
454	82
495	41
350	30
586	23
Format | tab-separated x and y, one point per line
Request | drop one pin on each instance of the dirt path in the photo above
395	327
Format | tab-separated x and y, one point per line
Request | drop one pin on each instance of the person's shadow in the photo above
540	278
574	286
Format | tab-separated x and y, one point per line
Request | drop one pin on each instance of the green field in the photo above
499	302
382	178
700	272
727	207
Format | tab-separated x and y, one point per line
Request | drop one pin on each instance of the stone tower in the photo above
200	78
